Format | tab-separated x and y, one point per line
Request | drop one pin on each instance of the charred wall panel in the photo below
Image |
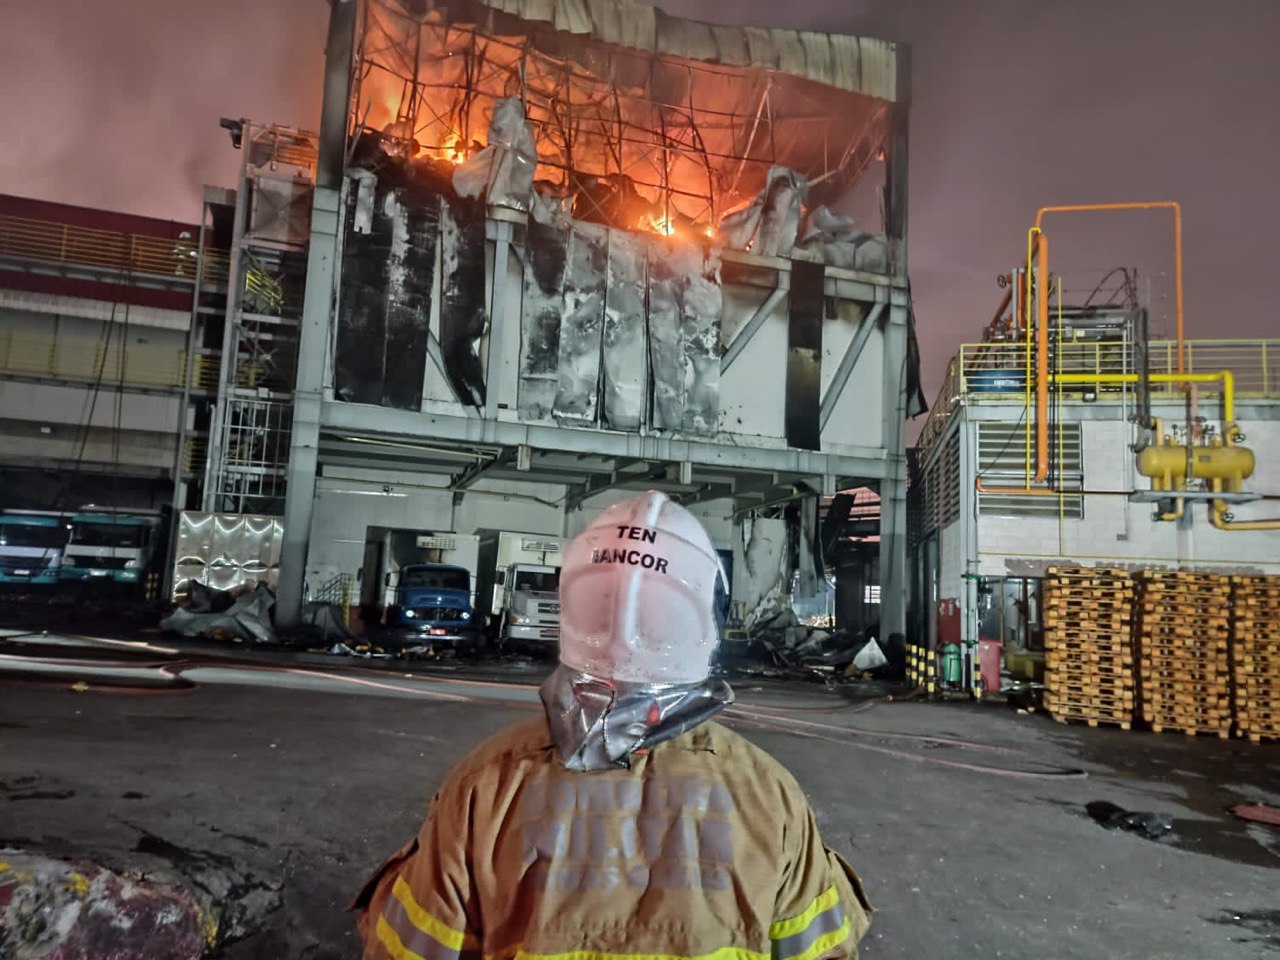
462	300
543	305
701	309
665	354
804	355
410	272
384	308
581	327
360	343
626	373
684	337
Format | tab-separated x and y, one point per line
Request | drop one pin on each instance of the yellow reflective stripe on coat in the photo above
418	934
820	927
724	953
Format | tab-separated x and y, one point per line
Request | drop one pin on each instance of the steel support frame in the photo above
894	586
227	371
850	360
317	313
366	420
749	329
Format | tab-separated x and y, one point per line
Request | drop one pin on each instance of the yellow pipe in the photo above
1042	359
1225	377
1218	516
1020	491
1177	242
1026	305
1037	237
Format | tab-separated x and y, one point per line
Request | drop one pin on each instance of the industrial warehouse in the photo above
569	364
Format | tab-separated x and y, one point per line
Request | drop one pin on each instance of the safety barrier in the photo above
72	245
90	360
1000	371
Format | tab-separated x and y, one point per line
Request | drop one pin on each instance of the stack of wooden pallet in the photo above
1183	627
1088	669
1255	656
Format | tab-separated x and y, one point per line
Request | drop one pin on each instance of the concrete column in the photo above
893	488
317	314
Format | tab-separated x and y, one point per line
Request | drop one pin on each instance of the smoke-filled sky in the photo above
1017	104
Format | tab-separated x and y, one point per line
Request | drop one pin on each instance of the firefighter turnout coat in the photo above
704	848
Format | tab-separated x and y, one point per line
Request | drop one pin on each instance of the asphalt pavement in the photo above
278	783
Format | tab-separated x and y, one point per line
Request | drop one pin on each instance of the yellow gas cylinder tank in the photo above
1169	460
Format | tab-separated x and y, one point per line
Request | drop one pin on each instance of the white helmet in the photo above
637	595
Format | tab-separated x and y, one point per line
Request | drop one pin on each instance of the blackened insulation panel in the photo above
462	299
626	373
360	342
410	274
804	355
543	304
388	267
581	328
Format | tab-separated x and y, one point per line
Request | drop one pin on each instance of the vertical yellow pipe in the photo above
1062	499
1042	360
1177	274
1032	234
1177	243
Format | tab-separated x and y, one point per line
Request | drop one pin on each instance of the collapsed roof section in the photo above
689	115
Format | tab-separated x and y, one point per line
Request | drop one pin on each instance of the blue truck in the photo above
433	607
31	546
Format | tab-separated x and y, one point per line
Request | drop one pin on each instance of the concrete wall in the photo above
349	501
1115	531
45	422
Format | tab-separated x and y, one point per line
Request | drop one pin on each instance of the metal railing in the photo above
90	360
999	371
71	245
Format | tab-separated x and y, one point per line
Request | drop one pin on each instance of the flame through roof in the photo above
693	114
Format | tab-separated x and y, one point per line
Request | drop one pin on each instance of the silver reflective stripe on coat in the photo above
799	944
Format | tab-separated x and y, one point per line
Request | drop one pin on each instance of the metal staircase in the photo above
250	425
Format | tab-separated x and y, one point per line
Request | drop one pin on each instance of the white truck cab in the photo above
518	589
531	611
110	545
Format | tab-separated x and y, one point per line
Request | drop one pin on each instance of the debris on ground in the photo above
55	909
1153	826
246	619
1258	813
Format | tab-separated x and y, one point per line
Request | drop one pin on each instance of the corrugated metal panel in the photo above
819	55
859	64
879	74
226	550
791	58
846	62
949	508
